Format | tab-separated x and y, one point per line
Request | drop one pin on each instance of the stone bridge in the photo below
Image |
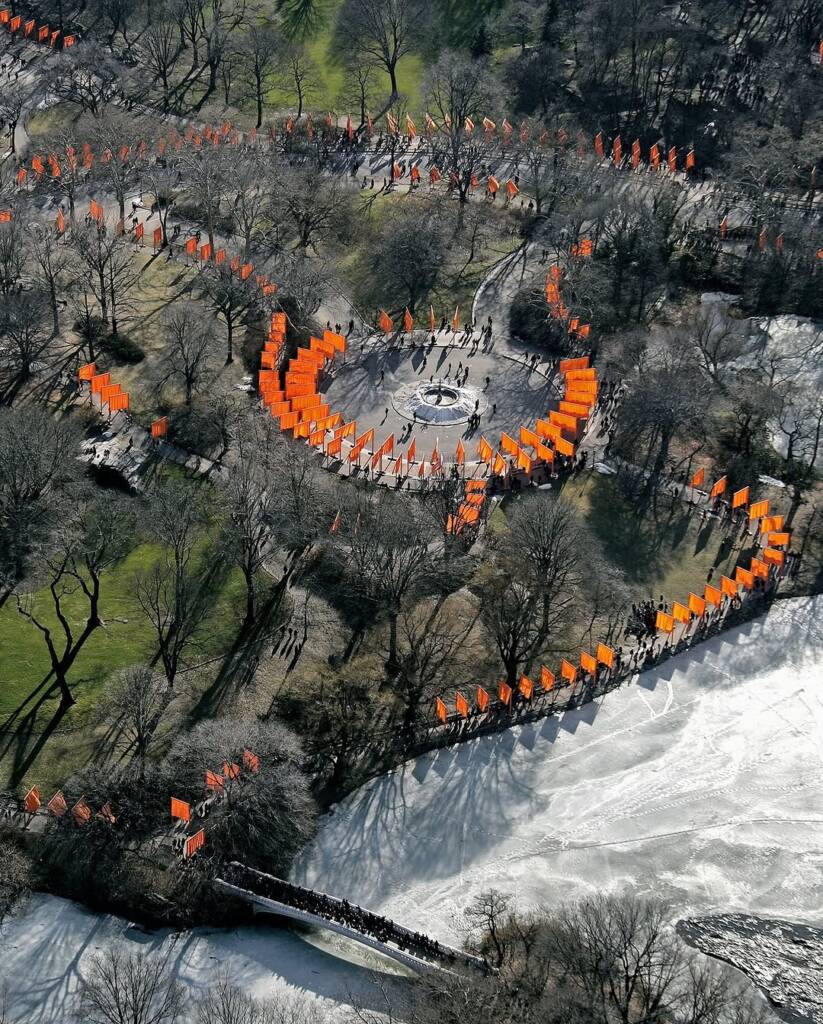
270	895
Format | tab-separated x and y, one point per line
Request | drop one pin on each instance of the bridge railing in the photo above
350	915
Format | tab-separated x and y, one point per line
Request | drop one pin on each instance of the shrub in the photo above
529	320
195	430
123	349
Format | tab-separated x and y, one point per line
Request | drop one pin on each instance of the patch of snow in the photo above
47	949
790	348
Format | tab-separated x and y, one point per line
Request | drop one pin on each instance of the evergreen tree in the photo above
481	45
547	31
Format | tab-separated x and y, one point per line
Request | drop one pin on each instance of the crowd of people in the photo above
651	649
341	912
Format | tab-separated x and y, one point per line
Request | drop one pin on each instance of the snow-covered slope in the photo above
701	783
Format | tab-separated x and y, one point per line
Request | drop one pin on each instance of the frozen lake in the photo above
701	783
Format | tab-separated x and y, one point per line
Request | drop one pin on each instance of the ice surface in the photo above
699	783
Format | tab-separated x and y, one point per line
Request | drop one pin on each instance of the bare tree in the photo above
551	173
458	91
188	356
389	557
231	66
15	880
93	535
172	593
224	1003
359	85
251	505
87	74
297	75
223	18
109	272
137	698
162	180
489	917
190	18
160	47
116	16
53	267
312	204
37	460
23	325
716	341
12	255
229	296
606	960
265	820
435	640
379	31
799	422
668	400
261	52
549	547
207	175
303	507
253	209
12	104
408	258
511	612
130	988
622	954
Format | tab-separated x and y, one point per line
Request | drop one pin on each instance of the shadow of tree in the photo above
633	543
240	662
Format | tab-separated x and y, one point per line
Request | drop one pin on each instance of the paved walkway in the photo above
365	387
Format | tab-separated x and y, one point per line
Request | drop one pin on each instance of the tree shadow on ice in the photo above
766	642
585	714
54	996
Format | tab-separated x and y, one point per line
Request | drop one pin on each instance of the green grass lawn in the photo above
125	639
328	80
671	556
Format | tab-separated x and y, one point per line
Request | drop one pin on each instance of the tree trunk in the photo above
55	319
104	301
392	664
544	624
113	305
229	340
258	81
67	699
250	607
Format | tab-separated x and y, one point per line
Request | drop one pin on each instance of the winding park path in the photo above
506	390
506	385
